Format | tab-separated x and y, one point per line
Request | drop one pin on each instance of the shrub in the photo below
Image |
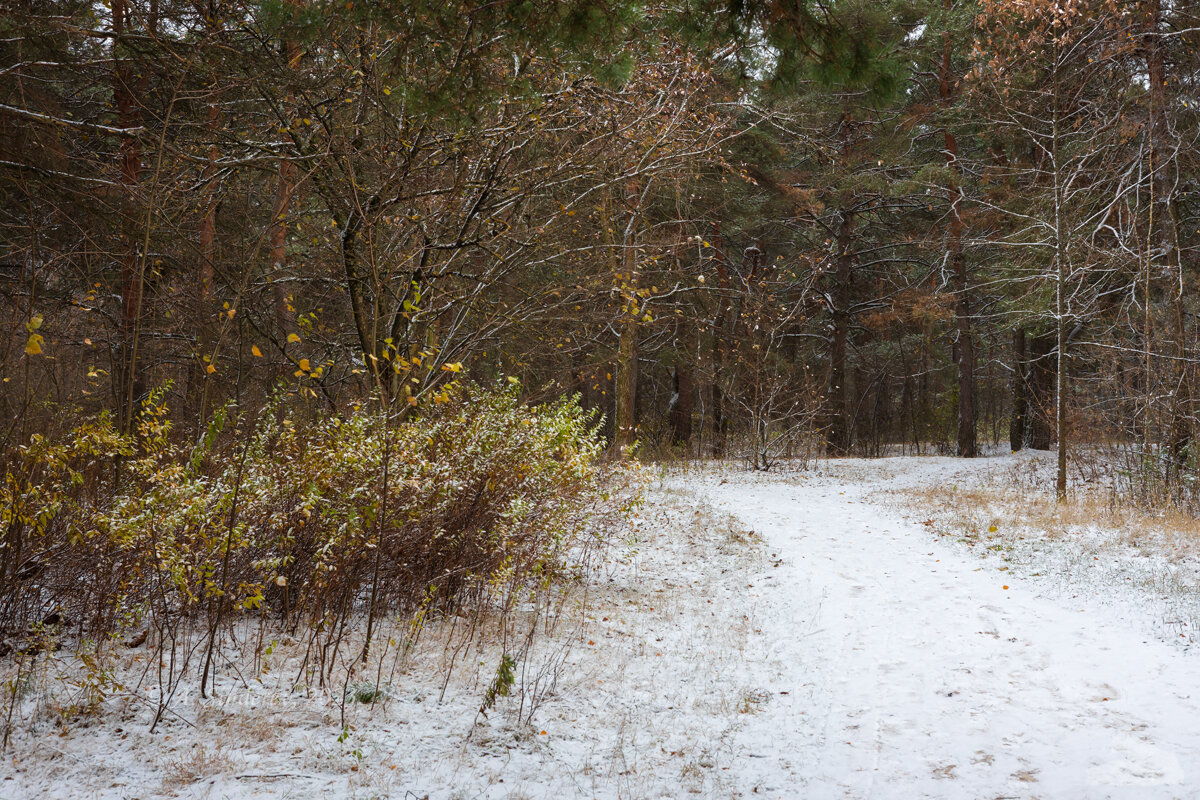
477	500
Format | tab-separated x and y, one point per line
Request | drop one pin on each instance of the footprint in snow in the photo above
1137	763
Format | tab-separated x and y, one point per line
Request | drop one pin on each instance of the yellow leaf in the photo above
255	351
231	312
210	369
34	346
304	365
412	401
293	338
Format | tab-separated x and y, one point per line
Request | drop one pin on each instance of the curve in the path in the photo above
901	667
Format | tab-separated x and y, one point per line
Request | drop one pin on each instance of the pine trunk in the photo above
129	383
967	446
1041	392
837	436
1017	422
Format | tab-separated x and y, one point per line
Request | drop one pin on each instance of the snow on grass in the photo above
634	692
1143	566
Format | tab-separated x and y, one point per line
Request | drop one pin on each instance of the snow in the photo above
788	635
914	671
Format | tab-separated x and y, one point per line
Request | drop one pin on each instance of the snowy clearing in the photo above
787	635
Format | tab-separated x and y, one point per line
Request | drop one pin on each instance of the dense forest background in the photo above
745	230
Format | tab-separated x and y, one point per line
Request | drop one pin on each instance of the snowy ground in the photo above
791	635
916	670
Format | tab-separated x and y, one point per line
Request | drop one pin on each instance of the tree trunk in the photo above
626	399
680	408
363	305
720	425
1017	422
285	186
627	350
205	313
837	436
129	383
967	446
1060	295
1041	391
1164	213
1060	411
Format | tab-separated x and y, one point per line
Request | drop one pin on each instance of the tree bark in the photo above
1041	391
1060	296
129	384
285	186
720	423
626	399
627	350
1017	422
204	312
837	428
1164	214
680	408
967	445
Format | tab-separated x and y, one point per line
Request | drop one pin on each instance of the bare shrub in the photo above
474	503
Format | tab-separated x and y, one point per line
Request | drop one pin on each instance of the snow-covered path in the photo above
902	667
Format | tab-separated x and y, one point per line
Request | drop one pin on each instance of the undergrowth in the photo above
314	529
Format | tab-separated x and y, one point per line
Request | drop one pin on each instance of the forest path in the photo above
894	665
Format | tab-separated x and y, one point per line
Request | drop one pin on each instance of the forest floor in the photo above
898	628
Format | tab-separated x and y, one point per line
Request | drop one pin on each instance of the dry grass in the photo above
979	513
198	761
1091	545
